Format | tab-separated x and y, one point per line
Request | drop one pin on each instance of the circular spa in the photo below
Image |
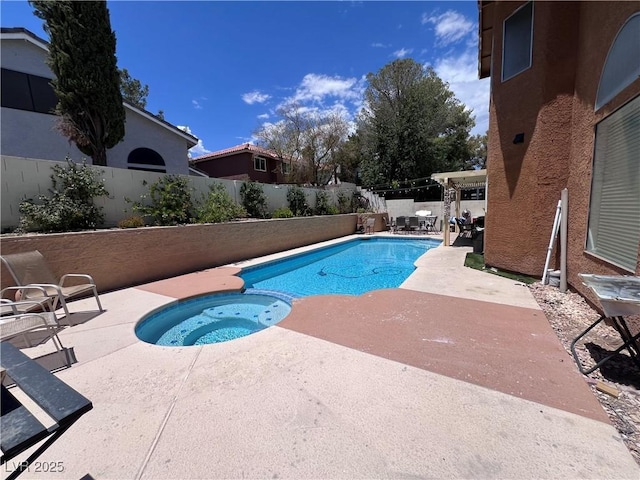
211	318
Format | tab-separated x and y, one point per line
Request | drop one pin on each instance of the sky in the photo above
220	69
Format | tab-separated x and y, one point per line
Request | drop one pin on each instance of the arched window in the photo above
145	159
622	65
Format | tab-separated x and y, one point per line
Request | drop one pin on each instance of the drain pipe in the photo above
564	197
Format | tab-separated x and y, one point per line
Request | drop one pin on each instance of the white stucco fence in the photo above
24	178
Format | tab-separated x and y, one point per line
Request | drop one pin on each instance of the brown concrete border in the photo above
123	258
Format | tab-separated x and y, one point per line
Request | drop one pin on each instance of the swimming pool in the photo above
352	268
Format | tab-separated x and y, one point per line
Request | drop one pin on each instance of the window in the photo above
614	214
260	163
622	66
27	92
286	168
517	42
145	159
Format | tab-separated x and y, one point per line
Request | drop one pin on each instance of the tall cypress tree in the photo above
82	57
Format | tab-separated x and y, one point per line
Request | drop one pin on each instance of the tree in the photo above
82	57
478	150
412	125
132	90
308	139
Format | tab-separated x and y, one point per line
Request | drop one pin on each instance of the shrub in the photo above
218	206
282	212
297	201
345	203
171	202
133	221
323	207
254	199
71	205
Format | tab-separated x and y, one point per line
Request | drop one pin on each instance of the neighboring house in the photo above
28	126
243	162
564	113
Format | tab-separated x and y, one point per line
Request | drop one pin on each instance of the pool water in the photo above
212	319
351	268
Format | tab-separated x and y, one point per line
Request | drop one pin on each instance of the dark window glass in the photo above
44	98
15	90
145	156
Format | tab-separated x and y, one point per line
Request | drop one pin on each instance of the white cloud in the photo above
196	150
403	52
196	104
255	97
379	45
263	116
461	73
450	27
316	88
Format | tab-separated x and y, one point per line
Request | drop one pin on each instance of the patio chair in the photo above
369	224
414	223
30	268
38	299
401	224
18	323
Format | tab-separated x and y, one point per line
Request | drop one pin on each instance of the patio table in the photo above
20	429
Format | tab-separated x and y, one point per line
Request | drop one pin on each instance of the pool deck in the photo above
457	374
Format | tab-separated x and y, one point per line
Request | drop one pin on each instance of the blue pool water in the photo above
212	319
351	268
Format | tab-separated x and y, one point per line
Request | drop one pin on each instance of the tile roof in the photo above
245	147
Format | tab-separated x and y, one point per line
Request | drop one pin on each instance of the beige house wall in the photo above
122	258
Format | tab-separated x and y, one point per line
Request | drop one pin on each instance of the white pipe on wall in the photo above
563	240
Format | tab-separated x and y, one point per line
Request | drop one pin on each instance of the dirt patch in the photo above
569	314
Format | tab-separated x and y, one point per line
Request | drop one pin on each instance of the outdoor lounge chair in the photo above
401	224
30	268
18	323
38	300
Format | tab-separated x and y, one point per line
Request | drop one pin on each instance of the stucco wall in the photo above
23	56
121	258
33	135
552	103
142	132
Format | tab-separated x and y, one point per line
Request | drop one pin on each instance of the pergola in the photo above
456	181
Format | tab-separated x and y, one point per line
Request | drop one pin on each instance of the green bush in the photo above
297	201
133	221
254	199
218	206
345	203
170	198
282	212
323	206
71	204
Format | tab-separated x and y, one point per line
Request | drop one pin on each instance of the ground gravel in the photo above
569	314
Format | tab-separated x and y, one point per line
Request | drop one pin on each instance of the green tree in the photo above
298	201
82	57
412	125
132	89
218	206
478	151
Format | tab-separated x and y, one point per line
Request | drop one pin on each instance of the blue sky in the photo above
221	69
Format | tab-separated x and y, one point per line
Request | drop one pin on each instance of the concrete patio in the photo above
457	374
